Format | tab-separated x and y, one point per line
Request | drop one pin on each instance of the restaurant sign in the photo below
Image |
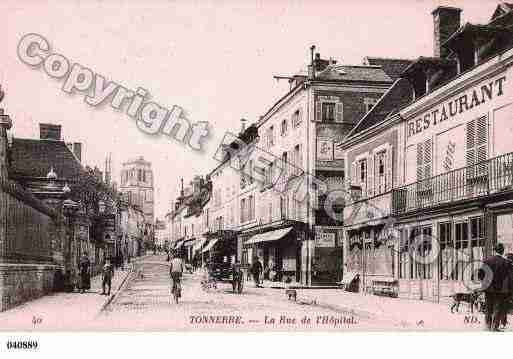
447	111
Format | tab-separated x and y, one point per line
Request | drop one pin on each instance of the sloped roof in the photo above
397	96
35	158
501	9
353	73
392	67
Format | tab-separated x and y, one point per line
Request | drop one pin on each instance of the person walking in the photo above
494	271
107	274
508	290
256	270
84	267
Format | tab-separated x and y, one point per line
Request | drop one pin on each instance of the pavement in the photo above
62	311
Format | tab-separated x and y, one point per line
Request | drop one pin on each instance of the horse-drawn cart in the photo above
227	273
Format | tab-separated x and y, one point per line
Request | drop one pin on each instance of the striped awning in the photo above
209	246
269	236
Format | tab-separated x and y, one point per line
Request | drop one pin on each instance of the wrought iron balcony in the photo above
488	177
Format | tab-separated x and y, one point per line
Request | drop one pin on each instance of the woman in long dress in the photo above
85	275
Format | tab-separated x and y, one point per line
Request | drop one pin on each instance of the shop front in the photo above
327	257
278	247
221	247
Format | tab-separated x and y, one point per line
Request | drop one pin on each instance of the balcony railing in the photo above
482	179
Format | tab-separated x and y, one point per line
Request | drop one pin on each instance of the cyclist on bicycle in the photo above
175	271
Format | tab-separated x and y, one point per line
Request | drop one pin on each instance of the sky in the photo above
215	59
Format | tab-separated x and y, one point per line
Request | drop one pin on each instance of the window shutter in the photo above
340	112
354	174
420	161
470	135
389	164
299	116
428	156
318	109
481	142
471	142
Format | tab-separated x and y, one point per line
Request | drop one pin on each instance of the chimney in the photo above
320	64
446	21
48	131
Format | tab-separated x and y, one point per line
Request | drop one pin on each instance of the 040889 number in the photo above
22	345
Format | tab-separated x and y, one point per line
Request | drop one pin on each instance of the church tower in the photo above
137	184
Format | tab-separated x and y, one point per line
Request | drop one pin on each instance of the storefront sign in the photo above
324	239
448	110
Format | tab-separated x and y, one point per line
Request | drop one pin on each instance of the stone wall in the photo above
27	269
20	283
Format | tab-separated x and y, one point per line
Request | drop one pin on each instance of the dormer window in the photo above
369	103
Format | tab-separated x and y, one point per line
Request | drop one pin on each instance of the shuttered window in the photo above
477	145
380	172
329	111
424	163
339	112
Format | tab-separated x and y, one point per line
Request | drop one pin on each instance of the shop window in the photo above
446	250
424	248
404	256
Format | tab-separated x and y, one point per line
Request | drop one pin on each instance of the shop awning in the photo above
188	243
209	246
269	236
199	243
178	244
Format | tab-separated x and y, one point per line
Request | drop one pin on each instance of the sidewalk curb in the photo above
111	298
